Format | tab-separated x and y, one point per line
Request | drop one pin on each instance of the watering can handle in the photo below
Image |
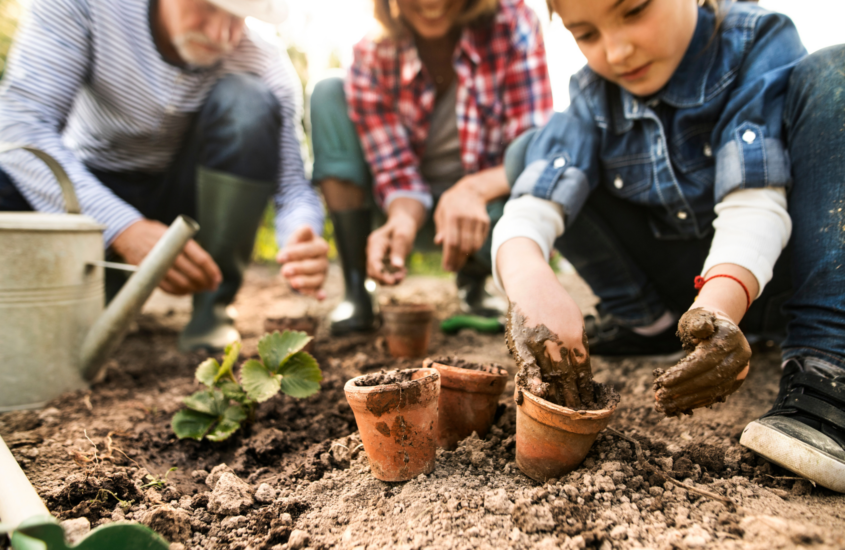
71	204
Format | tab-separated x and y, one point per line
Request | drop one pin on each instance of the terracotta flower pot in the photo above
407	328
469	396
306	324
396	413
551	440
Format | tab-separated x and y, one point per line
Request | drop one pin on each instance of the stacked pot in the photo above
403	416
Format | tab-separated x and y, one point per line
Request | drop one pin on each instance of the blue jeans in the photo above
237	132
638	276
338	154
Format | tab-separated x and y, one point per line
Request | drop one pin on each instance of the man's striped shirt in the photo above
86	83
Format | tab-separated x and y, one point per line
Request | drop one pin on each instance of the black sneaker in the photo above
804	431
607	337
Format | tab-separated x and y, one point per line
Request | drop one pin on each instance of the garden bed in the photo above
299	477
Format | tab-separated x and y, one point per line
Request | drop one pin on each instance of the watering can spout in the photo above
109	329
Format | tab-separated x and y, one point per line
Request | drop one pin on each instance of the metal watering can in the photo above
55	333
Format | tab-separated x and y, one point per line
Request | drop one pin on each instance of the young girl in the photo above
688	131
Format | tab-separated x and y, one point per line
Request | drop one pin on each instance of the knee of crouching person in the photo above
245	106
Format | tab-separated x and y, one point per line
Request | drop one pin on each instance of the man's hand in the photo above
462	224
715	368
305	259
193	271
388	245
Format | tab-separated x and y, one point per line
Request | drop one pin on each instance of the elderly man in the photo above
157	108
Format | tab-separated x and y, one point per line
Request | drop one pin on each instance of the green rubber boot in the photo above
358	310
229	210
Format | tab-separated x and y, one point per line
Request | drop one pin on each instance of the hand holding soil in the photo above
715	368
547	368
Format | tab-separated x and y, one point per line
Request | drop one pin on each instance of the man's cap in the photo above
269	11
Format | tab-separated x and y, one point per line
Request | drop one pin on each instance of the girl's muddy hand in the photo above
716	366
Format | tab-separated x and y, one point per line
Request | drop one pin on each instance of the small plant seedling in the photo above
156	482
217	412
124	504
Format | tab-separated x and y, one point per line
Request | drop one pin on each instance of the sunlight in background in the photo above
327	29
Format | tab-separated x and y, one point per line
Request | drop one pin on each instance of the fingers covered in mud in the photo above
720	353
547	368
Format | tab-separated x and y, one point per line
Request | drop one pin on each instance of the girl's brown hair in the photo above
388	16
712	4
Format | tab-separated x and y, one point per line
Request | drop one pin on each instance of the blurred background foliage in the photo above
10	13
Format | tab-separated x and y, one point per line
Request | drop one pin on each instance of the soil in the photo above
298	477
384	378
461	363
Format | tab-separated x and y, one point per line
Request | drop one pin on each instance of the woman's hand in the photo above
305	262
388	245
193	270
461	218
545	327
715	368
719	353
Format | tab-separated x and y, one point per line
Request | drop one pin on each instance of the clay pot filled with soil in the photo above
552	440
306	324
469	396
407	329
396	413
560	409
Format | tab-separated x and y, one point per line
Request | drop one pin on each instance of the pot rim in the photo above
566	412
409	308
457	378
431	376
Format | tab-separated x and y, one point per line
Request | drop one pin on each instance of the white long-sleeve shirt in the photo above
86	84
752	227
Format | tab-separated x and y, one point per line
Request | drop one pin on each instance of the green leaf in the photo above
233	391
207	371
260	384
275	348
229	424
301	375
233	350
211	402
188	423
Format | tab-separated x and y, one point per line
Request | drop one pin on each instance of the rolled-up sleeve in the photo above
748	138
561	160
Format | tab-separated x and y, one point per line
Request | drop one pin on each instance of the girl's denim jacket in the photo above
715	127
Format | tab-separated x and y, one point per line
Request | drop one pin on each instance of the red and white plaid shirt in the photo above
503	90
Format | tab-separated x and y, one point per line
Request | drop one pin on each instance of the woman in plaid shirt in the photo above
421	123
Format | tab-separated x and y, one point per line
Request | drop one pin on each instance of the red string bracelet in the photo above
701	281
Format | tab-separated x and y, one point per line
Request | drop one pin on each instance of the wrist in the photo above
522	267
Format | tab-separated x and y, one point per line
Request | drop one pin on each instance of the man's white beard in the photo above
191	50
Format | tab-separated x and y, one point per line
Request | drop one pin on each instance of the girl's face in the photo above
636	44
431	18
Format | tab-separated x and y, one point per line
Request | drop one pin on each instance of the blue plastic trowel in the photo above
29	525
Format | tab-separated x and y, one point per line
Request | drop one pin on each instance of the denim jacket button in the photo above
618	183
708	151
559	162
748	137
682	215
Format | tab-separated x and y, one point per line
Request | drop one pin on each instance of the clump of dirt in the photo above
567	381
457	362
385	378
718	354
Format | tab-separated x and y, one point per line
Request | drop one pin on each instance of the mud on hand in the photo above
567	382
719	353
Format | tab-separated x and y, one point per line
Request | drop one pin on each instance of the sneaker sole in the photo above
794	455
